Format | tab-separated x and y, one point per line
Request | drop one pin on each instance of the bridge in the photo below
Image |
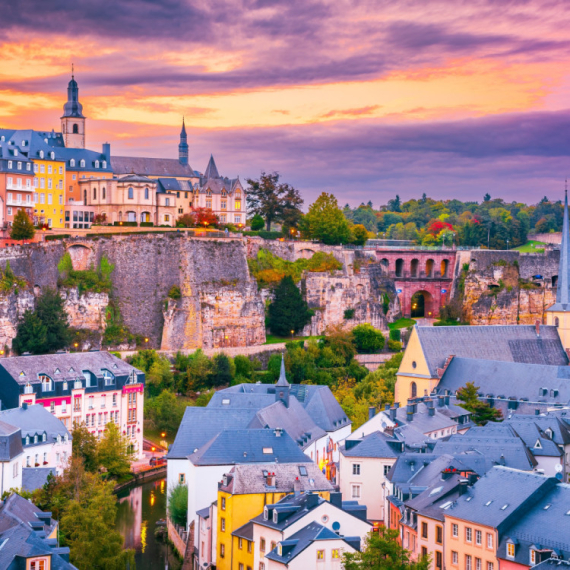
423	279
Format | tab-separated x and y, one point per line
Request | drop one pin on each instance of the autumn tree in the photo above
274	201
22	226
205	217
325	221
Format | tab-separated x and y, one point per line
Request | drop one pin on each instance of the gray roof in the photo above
500	496
79	154
553	564
248	479
245	531
35	420
35	477
560	430
10	441
421	419
249	446
282	376
545	525
159	167
200	425
69	364
17	510
508	379
170	184
563	282
436	496
136	178
508	343
303	538
497	446
211	170
373	445
204	513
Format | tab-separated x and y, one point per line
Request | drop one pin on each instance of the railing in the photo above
19	203
19	187
412	247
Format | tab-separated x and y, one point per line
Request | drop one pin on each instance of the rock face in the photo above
12	307
506	288
85	311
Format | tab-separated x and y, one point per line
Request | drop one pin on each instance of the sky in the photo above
364	99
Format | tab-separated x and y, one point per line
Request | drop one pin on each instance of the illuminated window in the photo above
335	553
320	554
510	550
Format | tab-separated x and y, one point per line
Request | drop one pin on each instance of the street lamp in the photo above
146	339
163	434
292	333
507	245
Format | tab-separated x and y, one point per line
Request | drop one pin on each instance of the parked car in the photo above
155	461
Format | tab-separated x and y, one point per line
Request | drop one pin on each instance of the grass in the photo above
272	339
401	324
531	247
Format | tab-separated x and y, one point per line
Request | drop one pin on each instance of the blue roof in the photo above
373	445
34	420
35	477
249	446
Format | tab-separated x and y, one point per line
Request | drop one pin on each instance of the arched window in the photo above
103	193
414	390
94	193
84	197
72	162
82	163
131	193
146	193
52	155
75	128
556	322
96	164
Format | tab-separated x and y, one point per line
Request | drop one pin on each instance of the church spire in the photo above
563	283
183	146
282	387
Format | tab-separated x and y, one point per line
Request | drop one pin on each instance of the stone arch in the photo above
145	217
444	267
413	390
554	281
414	267
306	253
429	267
81	256
422	304
385	266
399	267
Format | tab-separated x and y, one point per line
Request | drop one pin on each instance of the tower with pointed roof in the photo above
559	314
183	146
73	120
282	387
211	170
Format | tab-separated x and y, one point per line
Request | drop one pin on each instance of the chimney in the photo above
537	327
393	414
270	480
446	400
463	484
386	407
336	499
107	152
431	411
25	406
410	415
441	401
371	412
396	405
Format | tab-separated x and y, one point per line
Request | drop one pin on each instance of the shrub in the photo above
178	505
174	292
394	345
395	334
257	223
348	314
367	339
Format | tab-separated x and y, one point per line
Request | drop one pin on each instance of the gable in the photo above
414	361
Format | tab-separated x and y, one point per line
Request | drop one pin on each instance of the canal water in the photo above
138	511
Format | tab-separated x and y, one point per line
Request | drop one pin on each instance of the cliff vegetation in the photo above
87	280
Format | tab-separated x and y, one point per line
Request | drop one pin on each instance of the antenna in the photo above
72	71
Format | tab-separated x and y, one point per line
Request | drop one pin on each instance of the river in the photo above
139	509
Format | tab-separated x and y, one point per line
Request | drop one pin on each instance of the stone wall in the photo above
85	311
12	308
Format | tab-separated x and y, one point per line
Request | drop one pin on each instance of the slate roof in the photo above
35	420
299	541
211	170
507	343
228	399
249	479
434	501
551	421
245	531
159	167
200	425
500	496
35	477
282	376
553	564
31	366
204	513
545	525
499	447
508	379
249	446
374	445
10	441
79	154
422	421
169	184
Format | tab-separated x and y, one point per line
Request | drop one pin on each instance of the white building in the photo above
11	452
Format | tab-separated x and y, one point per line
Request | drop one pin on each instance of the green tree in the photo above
273	201
165	412
482	411
257	223
367	339
382	551
159	376
288	311
244	367
359	235
88	528
115	452
22	226
221	371
325	221
31	335
84	445
178	504
198	371
51	312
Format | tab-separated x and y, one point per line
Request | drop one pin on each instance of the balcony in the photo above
19	188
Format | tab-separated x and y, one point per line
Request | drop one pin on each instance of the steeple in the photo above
183	146
282	387
73	108
73	120
211	169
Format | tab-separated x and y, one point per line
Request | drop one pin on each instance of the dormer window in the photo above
15	152
44	436
510	549
537	445
108	376
265	513
27	440
52	155
42	154
47	383
280	549
275	517
57	371
82	163
10	164
549	433
96	164
104	164
35	438
72	162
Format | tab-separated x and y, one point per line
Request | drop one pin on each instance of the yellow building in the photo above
49	189
243	494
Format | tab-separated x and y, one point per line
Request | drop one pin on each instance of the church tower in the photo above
559	314
73	121
183	146
282	387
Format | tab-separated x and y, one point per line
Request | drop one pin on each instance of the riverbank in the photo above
151	474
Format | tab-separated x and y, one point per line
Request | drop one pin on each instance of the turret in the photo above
183	146
72	120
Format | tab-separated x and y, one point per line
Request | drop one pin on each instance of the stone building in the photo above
130	198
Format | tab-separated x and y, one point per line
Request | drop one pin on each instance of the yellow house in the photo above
49	189
243	494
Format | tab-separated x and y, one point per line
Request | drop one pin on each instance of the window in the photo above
240	543
47	384
532	556
103	400
262	545
454	530
238	219
146	193
167	217
468	534
490	566
477	564
249	543
489	540
49	168
320	554
454	557
167	201
424	530
103	193
82	162
439	534
335	553
387	469
39	564
181	478
131	193
478	538
9	164
223	524
27	461
438	559
223	503
238	205
356	468
468	562
356	491
510	550
240	566
72	163
261	566
91	400
222	550
424	551
52	407
15	469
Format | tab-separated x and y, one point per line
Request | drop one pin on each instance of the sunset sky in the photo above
364	99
